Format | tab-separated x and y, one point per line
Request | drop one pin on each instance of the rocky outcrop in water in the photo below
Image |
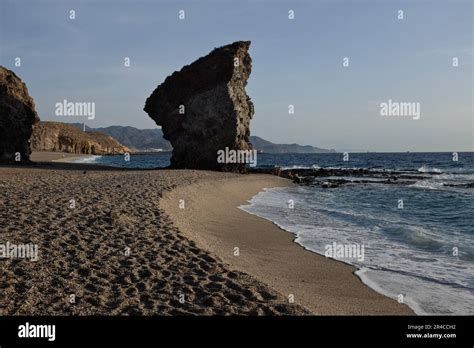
204	108
62	137
17	117
335	177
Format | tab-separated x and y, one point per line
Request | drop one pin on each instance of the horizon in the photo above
354	151
405	61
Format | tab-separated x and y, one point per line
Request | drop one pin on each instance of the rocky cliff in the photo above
203	108
62	137
17	117
137	140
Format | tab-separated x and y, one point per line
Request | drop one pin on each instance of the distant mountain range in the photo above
137	139
147	140
266	146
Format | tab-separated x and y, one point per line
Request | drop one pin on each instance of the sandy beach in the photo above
116	251
125	247
321	285
48	156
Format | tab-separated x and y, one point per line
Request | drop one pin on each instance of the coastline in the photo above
63	157
174	251
212	219
82	248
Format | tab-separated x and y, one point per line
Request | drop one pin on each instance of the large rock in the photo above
63	137
17	117
217	111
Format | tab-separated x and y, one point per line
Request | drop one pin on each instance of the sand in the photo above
125	250
116	251
48	156
321	285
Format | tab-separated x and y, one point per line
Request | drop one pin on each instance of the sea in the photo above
417	236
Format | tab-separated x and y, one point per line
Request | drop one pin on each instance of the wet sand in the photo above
48	156
322	285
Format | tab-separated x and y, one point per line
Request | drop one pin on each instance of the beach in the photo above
119	242
323	286
50	156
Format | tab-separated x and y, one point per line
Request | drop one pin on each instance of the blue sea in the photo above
421	253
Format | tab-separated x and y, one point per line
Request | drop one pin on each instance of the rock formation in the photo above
17	117
204	108
63	137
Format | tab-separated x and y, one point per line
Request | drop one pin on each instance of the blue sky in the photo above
296	62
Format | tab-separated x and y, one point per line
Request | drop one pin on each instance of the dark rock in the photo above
17	118
217	111
465	185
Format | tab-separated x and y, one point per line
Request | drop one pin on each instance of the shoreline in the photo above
212	219
61	157
82	248
358	272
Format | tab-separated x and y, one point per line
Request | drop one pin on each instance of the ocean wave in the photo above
428	184
400	258
454	176
452	185
87	159
314	166
414	236
426	169
414	290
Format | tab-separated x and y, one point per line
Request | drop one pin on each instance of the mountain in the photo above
262	145
64	137
134	138
152	140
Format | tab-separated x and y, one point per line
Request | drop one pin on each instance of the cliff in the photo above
62	137
138	140
17	117
204	109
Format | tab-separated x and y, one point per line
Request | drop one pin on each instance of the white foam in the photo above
314	166
454	177
428	184
426	169
87	159
431	282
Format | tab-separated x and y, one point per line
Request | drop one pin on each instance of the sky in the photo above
296	62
